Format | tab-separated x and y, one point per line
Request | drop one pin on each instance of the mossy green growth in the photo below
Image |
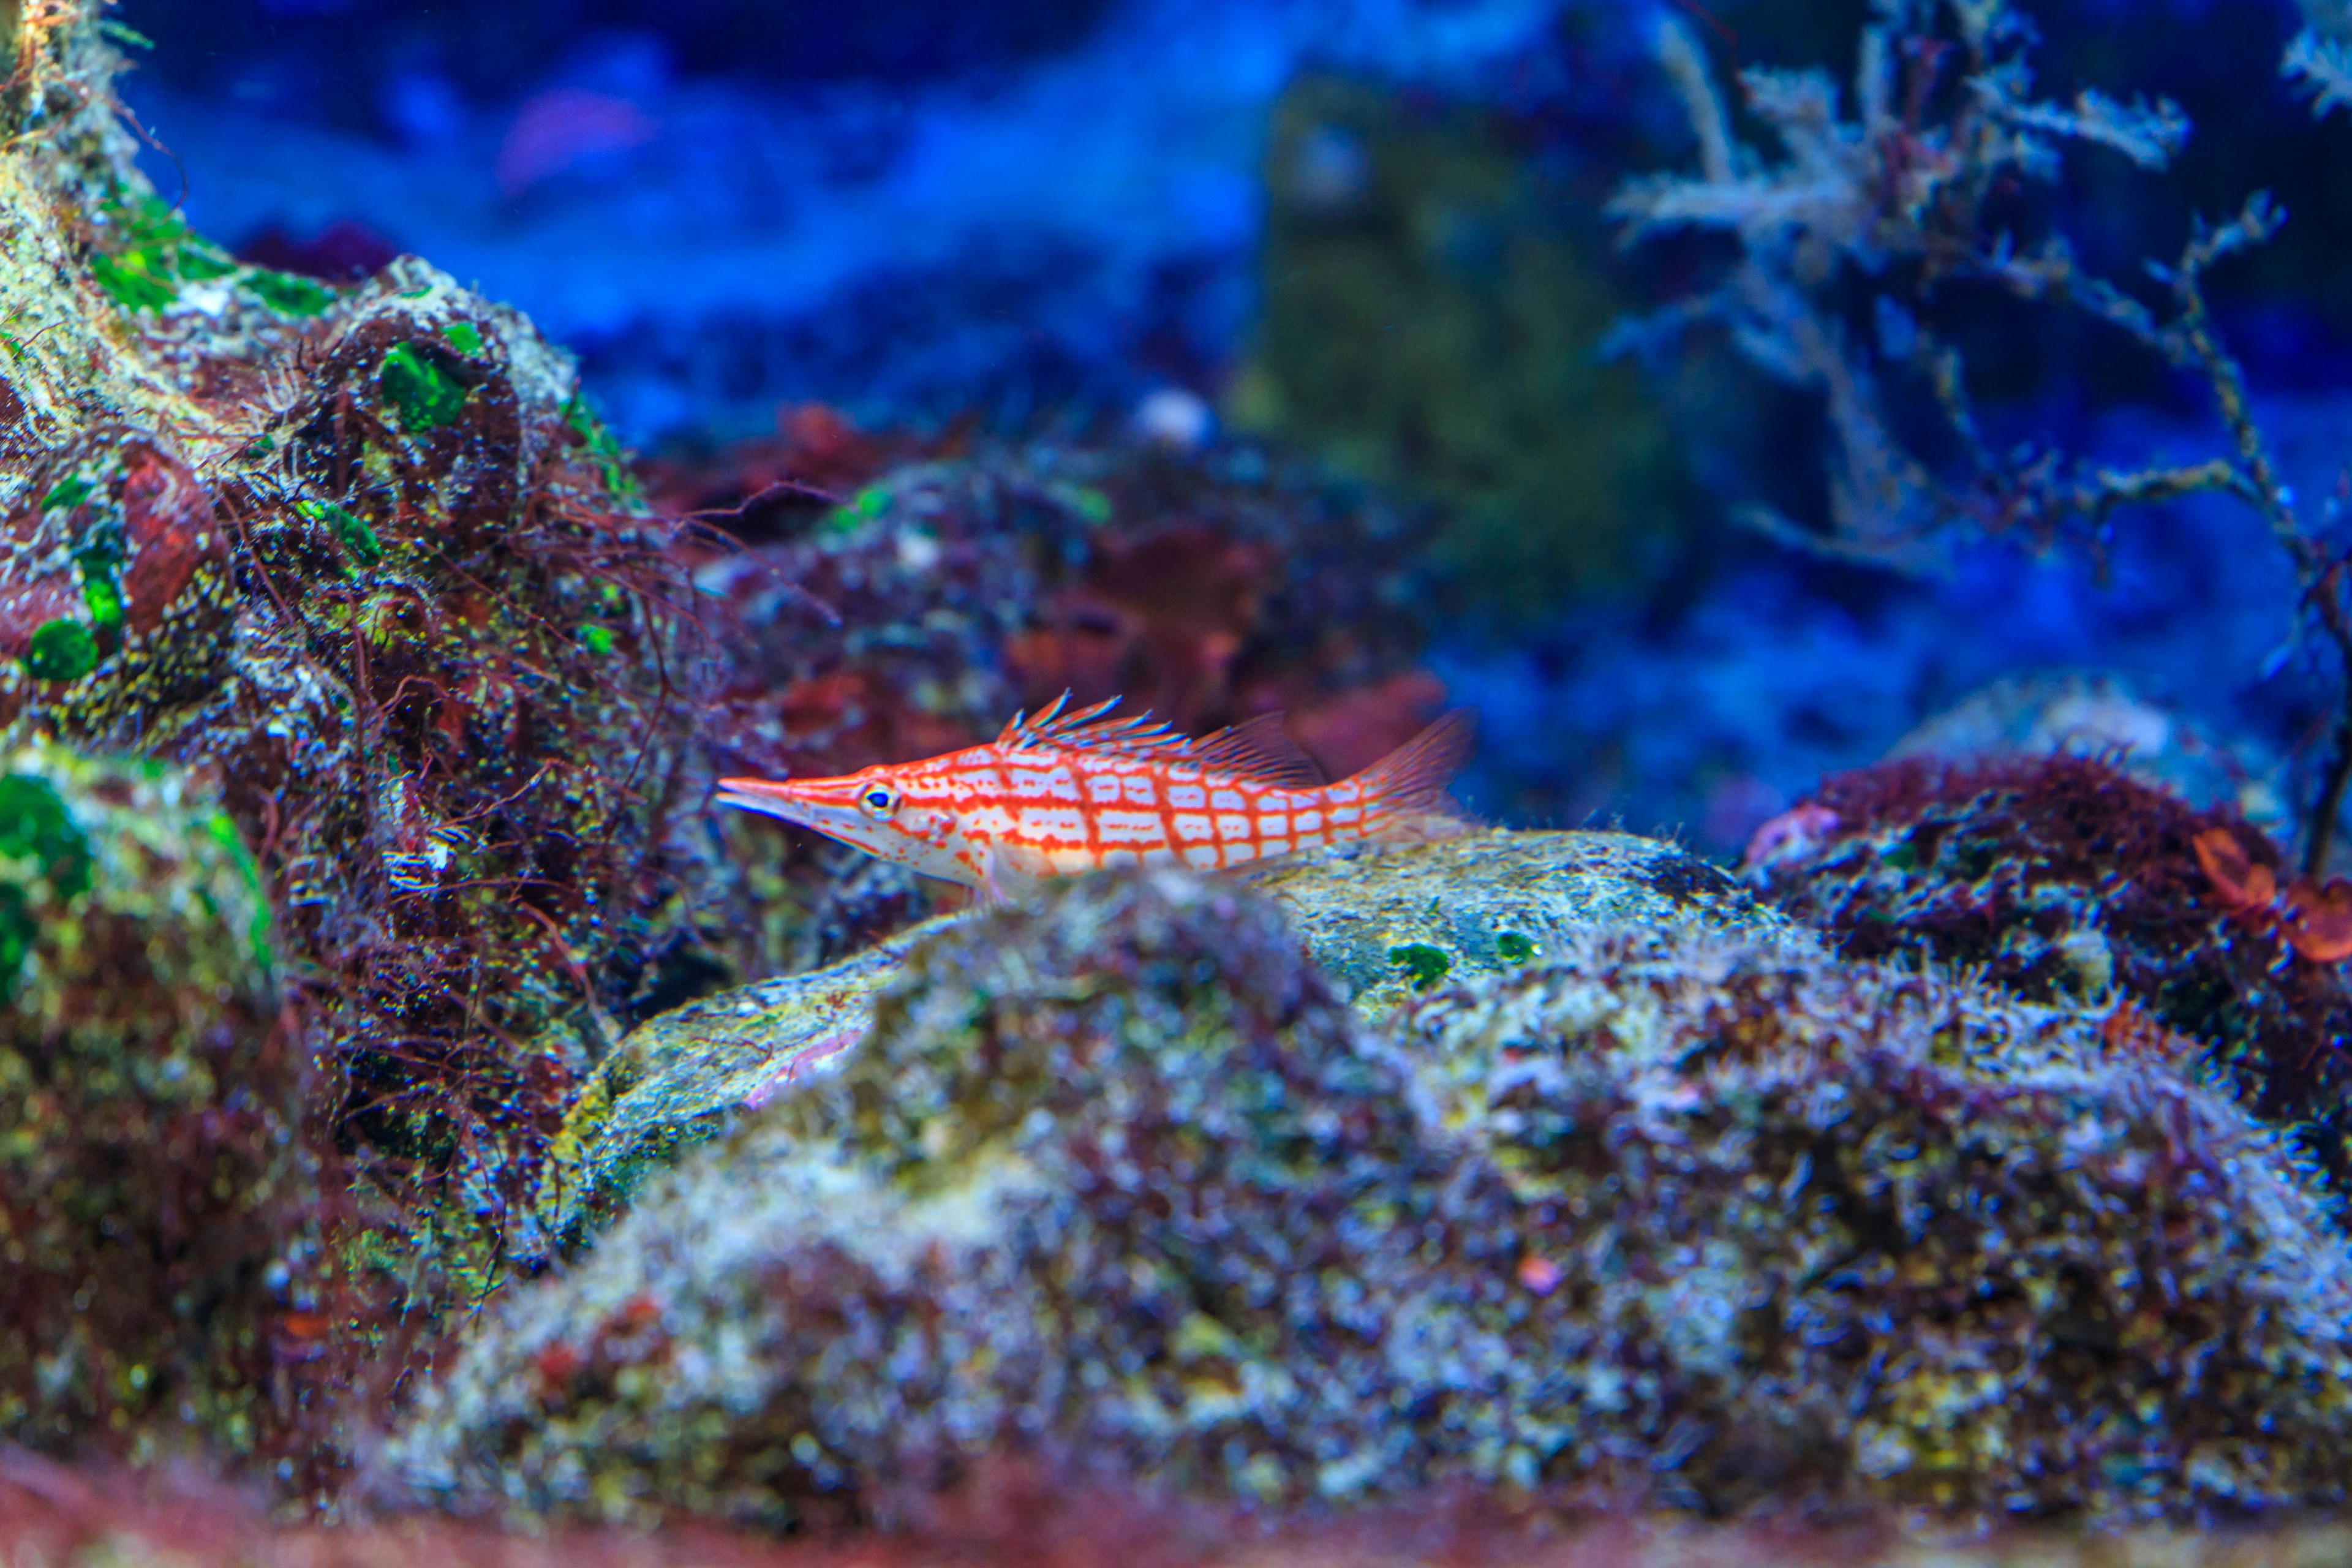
148	250
102	597
424	395
466	336
44	859
285	293
68	493
36	829
1513	948
604	449
61	651
863	507
1424	965
130	284
352	530
97	560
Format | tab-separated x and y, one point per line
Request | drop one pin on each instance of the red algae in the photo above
2062	876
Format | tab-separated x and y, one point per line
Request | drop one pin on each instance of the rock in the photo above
2065	879
155	1206
1389	924
364	556
1122	1187
1385	924
1813	1229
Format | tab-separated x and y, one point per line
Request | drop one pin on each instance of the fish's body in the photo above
1071	792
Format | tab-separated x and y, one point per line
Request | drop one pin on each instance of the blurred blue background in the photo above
1368	231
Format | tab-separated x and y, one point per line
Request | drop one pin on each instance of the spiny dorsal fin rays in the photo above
1135	735
1259	750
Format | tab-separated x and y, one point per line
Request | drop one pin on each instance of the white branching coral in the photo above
1898	200
2319	58
1856	234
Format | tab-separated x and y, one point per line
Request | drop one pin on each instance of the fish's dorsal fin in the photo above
1086	729
1258	751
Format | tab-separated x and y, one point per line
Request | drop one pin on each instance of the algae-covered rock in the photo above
362	554
1385	924
1388	924
152	1190
1807	1228
2064	878
1148	1073
1121	1184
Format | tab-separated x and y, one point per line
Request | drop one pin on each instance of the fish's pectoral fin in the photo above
1003	880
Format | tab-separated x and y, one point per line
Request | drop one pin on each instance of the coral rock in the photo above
2064	878
1383	923
1121	1184
154	1204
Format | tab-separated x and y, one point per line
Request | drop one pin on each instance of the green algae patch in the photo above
36	829
147	251
66	494
422	393
1424	965
132	283
604	450
354	532
61	651
466	336
285	293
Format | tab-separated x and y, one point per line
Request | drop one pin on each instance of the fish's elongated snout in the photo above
828	805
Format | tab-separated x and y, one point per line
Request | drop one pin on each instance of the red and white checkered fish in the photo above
1071	791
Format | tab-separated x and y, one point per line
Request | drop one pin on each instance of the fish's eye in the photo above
880	801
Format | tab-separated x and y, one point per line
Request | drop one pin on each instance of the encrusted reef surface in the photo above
2066	877
1384	924
1123	1184
156	1209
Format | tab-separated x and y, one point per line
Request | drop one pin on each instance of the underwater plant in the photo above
1862	241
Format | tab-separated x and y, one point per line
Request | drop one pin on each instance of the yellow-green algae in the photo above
1120	1184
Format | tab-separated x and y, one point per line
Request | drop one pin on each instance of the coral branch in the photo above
1895	205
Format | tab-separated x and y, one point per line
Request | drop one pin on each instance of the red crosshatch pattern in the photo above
1071	791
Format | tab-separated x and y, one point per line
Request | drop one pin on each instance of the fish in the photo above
1071	790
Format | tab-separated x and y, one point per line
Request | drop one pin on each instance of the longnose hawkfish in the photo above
1071	791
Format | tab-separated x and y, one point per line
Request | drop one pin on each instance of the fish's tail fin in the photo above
1406	789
